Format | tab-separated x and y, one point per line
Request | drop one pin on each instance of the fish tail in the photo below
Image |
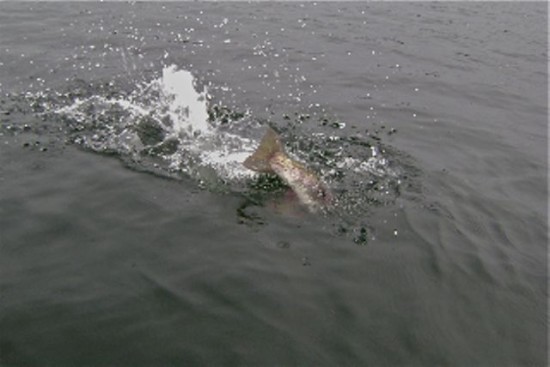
259	160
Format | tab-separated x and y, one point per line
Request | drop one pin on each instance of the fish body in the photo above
270	157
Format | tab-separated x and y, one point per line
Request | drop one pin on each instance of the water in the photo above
131	234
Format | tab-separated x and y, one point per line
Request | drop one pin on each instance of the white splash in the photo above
175	105
186	107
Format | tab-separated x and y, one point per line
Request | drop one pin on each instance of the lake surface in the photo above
131	234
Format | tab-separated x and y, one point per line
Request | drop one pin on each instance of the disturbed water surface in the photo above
131	234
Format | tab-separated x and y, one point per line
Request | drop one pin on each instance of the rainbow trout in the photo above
270	157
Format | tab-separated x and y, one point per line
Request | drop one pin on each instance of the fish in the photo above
270	157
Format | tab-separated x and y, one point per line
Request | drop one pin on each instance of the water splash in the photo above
186	107
170	126
168	121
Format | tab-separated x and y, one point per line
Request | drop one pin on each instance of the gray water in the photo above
114	253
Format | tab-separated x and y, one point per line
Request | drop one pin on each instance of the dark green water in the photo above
113	257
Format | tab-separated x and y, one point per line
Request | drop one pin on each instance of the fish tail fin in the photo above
259	160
